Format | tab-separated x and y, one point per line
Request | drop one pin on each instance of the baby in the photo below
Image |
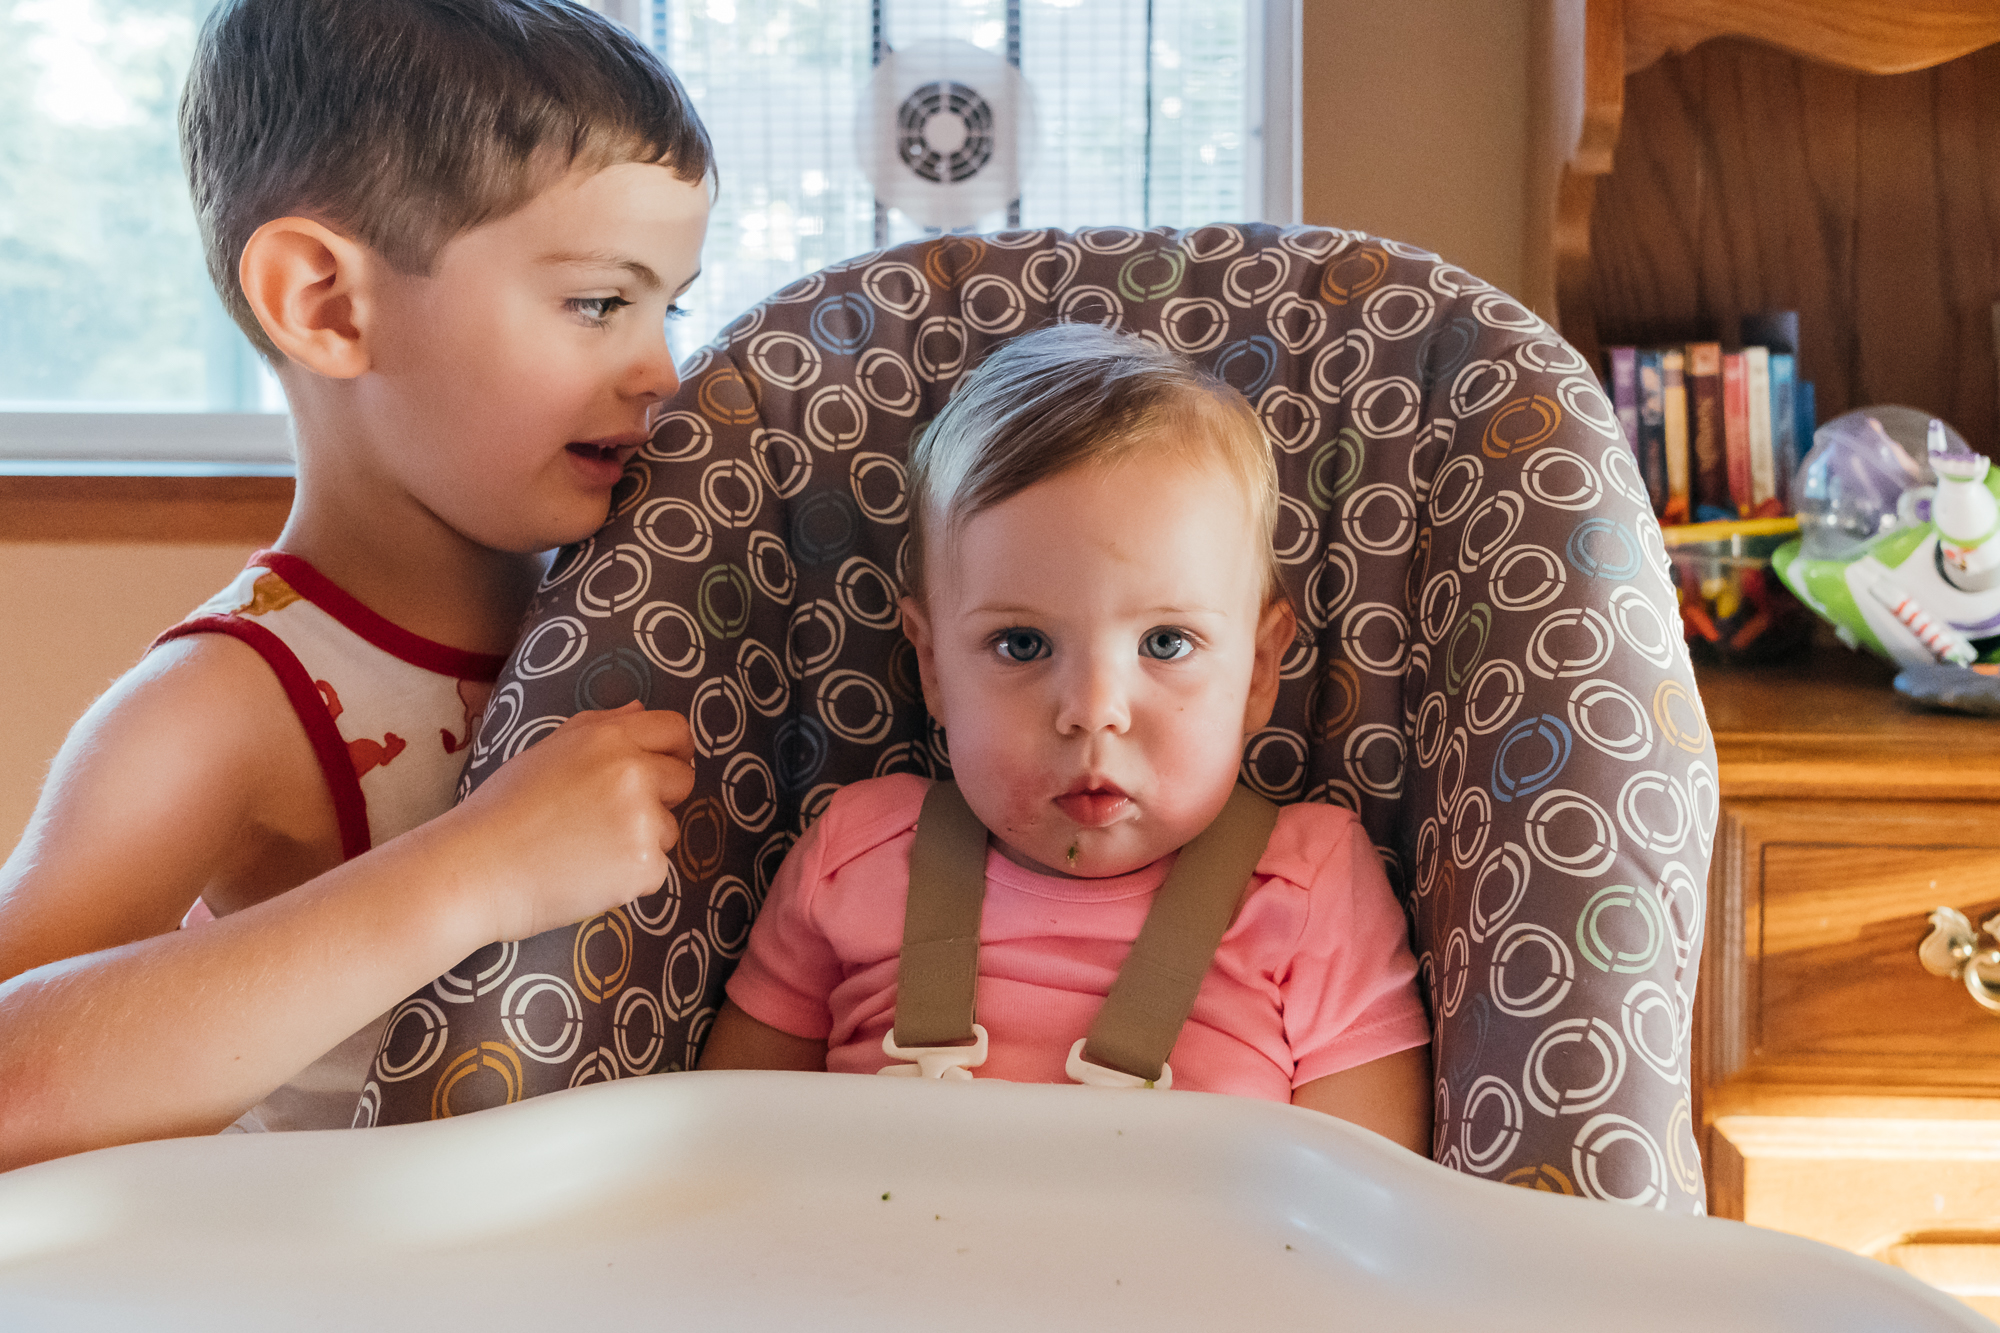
1098	623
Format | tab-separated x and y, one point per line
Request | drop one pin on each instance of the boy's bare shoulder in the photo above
190	776
196	695
207	709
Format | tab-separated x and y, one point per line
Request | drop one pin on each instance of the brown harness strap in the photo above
938	974
1149	1003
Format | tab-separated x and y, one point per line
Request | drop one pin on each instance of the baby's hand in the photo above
577	824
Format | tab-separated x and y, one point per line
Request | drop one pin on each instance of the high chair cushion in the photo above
1489	671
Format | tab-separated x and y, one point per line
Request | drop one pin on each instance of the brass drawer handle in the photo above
1952	950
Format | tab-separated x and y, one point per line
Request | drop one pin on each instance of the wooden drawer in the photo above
1811	972
1842	992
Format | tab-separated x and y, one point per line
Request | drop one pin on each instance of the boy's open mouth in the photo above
610	451
1094	804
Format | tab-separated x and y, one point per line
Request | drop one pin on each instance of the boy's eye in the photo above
678	312
1164	645
1021	645
596	309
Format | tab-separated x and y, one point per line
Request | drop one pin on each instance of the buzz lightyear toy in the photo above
1901	558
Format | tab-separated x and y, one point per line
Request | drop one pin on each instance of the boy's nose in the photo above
651	375
1094	699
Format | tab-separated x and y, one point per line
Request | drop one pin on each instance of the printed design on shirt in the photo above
473	696
365	754
269	593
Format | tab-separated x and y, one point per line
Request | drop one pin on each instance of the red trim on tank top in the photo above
385	634
350	806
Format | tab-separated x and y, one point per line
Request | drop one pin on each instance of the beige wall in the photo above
1415	125
76	616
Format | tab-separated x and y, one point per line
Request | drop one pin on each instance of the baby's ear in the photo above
917	628
1276	629
306	283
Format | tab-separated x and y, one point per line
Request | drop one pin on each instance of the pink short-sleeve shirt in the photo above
1314	976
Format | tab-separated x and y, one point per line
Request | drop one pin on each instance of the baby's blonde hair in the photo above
1071	395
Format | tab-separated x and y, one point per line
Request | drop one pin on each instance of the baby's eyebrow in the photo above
1183	612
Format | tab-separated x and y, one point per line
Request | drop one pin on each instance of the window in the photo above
1146	112
114	347
105	307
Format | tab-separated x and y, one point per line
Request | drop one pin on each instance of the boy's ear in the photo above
306	283
917	628
1276	629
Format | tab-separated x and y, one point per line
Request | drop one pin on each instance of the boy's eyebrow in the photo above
605	259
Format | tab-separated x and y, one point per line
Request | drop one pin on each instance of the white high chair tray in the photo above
783	1201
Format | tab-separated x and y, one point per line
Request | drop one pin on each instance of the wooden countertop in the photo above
1831	726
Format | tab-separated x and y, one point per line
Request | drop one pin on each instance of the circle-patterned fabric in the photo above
1489	668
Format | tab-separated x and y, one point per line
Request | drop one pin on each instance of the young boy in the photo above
455	227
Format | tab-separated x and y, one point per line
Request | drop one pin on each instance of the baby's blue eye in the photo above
1164	645
1021	645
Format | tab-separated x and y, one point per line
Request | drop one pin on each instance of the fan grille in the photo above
944	160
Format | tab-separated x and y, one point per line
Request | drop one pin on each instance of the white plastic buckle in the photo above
939	1062
1081	1070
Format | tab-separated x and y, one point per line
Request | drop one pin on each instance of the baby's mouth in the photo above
1094	804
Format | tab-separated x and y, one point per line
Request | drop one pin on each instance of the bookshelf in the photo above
1840	158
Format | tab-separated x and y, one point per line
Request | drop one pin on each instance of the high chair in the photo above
1490	669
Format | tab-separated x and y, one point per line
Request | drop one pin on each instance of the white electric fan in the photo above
945	132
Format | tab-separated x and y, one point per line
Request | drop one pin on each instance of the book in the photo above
1736	433
1652	436
1625	391
1763	459
1806	412
1708	484
1673	365
1785	451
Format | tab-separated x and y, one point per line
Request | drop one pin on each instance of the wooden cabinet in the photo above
1845	1092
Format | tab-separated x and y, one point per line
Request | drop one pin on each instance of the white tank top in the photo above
389	715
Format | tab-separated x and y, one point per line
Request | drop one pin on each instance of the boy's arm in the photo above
1390	1095
189	774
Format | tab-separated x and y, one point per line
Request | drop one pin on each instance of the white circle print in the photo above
1606	1136
1490	1095
1532	971
1570	832
1395	311
1574	1066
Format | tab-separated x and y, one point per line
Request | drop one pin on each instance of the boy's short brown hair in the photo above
1071	395
405	123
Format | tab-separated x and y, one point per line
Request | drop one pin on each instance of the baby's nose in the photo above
1094	699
